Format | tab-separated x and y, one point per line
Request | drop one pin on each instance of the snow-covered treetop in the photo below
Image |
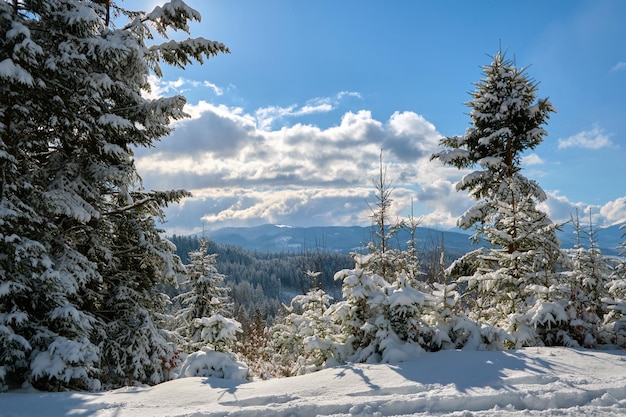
506	120
175	16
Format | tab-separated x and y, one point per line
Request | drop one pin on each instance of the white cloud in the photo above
314	108
614	212
561	209
217	90
269	116
160	87
299	174
532	159
443	202
302	174
620	66
343	94
595	138
292	205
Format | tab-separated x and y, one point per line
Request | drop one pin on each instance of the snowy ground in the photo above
526	382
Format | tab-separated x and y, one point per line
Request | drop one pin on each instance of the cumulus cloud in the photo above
302	206
219	130
614	212
532	159
595	138
560	208
301	174
411	136
443	202
242	174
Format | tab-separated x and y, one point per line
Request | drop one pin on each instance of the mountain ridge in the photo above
346	239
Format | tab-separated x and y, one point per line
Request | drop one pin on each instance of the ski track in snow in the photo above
525	382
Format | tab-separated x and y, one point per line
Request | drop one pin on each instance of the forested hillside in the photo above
264	281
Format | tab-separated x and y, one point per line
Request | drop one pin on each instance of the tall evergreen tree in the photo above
133	342
518	271
73	216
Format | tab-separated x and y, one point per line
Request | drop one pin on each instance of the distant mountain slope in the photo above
608	239
346	239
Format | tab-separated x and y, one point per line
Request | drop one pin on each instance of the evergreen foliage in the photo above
516	279
81	254
381	258
83	264
205	319
307	336
615	319
589	278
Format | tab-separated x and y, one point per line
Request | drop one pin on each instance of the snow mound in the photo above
209	363
453	383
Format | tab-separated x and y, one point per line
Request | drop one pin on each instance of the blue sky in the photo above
288	127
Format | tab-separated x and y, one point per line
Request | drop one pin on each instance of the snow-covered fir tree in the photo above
304	339
134	344
205	319
615	318
381	303
445	324
42	275
518	272
73	214
588	282
381	258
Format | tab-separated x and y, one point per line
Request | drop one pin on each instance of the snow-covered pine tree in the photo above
410	260
381	259
615	319
364	301
444	329
588	281
206	314
43	270
71	111
517	271
380	314
134	344
308	335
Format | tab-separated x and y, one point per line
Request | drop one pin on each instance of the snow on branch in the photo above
181	53
162	198
10	70
172	15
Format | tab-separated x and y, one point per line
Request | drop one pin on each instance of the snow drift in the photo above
468	383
